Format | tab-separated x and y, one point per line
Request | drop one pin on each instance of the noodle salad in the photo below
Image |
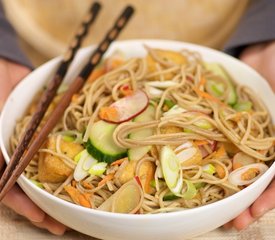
161	133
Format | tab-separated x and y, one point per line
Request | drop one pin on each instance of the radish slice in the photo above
125	108
247	174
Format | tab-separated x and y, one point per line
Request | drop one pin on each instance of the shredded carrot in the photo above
78	197
106	179
74	98
108	113
202	82
87	185
96	74
220	152
113	63
220	171
208	96
118	162
201	142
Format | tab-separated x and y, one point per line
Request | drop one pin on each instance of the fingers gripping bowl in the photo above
176	225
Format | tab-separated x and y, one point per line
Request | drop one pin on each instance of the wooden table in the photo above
15	227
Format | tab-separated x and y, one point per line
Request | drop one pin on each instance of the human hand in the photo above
10	74
262	58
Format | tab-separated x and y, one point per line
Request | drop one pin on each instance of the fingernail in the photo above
58	231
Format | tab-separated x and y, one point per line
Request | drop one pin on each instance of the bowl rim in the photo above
122	216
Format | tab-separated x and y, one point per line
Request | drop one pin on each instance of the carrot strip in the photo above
220	171
207	96
201	142
78	197
202	82
96	74
220	152
74	98
118	162
106	179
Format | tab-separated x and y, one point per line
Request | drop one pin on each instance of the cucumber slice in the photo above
220	71
101	144
137	153
171	169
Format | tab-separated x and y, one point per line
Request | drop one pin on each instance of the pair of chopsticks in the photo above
25	151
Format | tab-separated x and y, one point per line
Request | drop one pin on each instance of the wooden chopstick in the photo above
51	90
7	183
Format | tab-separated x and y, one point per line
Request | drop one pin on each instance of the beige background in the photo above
15	227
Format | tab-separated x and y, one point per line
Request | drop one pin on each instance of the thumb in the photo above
265	202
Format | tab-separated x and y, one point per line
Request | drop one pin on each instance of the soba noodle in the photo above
248	131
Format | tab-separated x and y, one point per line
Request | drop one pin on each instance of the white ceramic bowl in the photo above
104	225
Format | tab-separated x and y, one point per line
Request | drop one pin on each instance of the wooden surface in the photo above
15	227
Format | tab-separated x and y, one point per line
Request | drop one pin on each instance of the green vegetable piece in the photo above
137	153
101	144
169	103
199	185
214	88
209	168
170	197
243	106
68	138
153	183
79	155
191	191
171	169
98	169
38	184
220	71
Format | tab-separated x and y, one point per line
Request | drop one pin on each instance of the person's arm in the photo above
254	43
13	67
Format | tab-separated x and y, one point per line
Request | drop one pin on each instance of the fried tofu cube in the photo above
146	174
51	168
171	129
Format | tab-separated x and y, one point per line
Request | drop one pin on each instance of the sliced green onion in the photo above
170	166
209	168
190	192
204	124
186	130
170	197
169	103
38	184
98	169
79	155
199	185
176	109
245	106
153	183
214	88
68	138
